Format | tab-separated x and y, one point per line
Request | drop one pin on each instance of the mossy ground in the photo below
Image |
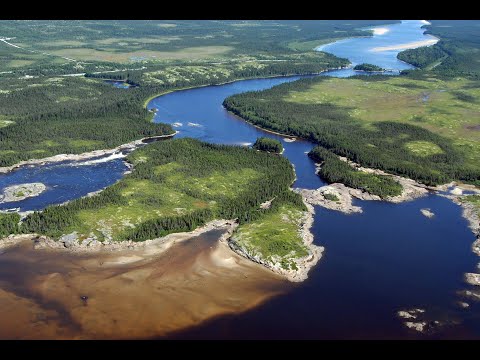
275	234
450	108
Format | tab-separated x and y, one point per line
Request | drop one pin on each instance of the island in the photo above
21	192
177	186
269	145
368	68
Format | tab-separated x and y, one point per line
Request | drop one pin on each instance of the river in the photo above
386	259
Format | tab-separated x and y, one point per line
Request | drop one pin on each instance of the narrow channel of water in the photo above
386	259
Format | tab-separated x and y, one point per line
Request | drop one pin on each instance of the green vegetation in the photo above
456	54
52	115
331	197
268	144
275	235
43	125
423	148
9	224
423	56
424	127
175	186
99	45
43	113
368	68
472	199
335	170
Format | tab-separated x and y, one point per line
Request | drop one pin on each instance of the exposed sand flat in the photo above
380	31
131	293
411	45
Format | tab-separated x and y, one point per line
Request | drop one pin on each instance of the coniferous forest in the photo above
235	181
336	130
267	144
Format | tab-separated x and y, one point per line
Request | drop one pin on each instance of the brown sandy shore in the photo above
149	289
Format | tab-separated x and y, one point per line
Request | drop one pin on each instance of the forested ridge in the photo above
191	162
382	145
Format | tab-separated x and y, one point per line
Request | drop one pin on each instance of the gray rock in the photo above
69	240
94	243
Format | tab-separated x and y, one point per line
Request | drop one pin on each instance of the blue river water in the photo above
386	259
64	181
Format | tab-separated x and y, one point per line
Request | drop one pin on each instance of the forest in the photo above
52	115
455	54
175	186
368	68
268	144
334	170
381	144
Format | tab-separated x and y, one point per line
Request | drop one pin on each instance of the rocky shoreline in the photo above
470	213
84	156
21	192
344	194
41	242
303	264
321	196
71	244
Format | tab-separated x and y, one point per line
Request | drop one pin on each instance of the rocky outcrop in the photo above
472	278
411	188
303	265
474	295
476	247
471	213
419	326
71	242
417	319
410	314
21	192
463	304
427	212
334	197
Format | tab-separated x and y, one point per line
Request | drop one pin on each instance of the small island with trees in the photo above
368	68
267	144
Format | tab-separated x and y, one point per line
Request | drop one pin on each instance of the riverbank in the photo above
154	246
87	155
469	212
54	294
411	45
150	98
298	268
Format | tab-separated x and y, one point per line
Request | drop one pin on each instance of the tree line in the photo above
197	160
383	146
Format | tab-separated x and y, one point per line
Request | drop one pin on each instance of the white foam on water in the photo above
99	161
